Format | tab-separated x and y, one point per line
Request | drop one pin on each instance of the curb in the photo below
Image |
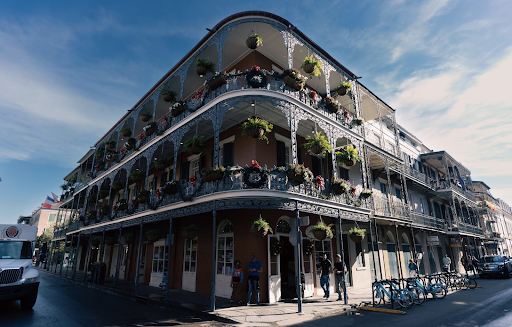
398	312
169	305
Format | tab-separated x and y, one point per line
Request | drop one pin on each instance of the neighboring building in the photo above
423	204
44	219
24	219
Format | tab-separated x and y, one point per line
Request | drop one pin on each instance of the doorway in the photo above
287	264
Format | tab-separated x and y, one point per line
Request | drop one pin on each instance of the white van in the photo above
18	280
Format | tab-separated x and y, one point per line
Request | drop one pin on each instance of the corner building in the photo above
223	210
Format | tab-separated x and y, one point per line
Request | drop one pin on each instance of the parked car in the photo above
495	265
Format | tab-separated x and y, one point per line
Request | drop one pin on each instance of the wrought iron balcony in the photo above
470	229
409	171
427	221
382	144
383	208
443	185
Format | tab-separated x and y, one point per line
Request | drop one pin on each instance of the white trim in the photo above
193	157
287	141
227	140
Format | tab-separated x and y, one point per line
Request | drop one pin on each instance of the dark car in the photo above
495	265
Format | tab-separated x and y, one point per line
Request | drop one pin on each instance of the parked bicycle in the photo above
401	295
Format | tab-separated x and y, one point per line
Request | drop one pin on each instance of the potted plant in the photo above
126	132
64	187
153	235
99	153
104	210
143	195
178	108
102	194
122	204
118	185
332	105
294	79
189	232
339	186
95	241
298	173
356	234
204	66
170	187
321	231
138	176
111	145
161	164
317	144
343	88
145	116
311	66
349	155
365	194
217	80
194	145
109	240
168	95
100	165
260	228
213	174
129	238
358	121
254	41
130	143
150	128
91	215
257	128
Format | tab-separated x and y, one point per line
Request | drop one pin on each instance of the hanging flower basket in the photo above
343	88
342	91
211	176
101	165
320	235
126	132
309	68
117	185
189	232
95	242
294	79
255	132
129	238
145	118
201	70
349	163
316	149
299	173
332	105
160	166
262	232
111	145
339	189
356	238
142	199
170	187
153	235
150	129
253	41
123	207
217	81
195	149
178	108
110	240
129	144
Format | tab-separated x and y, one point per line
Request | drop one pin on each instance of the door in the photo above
322	247
225	248
307	268
190	266
124	262
142	266
274	273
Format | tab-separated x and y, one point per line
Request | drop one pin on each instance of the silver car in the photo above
495	265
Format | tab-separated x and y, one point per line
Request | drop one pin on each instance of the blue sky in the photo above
68	72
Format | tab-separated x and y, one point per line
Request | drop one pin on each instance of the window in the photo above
383	188
422	205
160	259
195	165
316	166
225	248
284	146
343	173
398	193
360	255
184	171
226	152
376	138
51	218
190	255
151	182
322	247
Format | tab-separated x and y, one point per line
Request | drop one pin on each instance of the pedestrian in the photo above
236	283
464	263
326	269
339	272
413	268
470	264
253	281
446	263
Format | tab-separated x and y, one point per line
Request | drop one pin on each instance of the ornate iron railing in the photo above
409	171
382	207
428	221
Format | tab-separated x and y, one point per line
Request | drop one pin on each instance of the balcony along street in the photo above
61	303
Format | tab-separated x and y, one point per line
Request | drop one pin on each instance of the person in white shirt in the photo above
446	263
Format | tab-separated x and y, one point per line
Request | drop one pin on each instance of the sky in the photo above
70	70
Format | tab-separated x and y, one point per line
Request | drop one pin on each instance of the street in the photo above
489	306
61	303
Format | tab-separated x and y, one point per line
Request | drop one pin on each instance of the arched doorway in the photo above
224	259
419	255
391	248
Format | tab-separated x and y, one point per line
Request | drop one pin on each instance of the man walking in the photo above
253	281
339	272
446	263
326	269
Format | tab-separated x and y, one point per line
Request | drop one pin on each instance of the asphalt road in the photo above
489	306
61	303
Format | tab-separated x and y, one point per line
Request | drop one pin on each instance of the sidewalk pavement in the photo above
281	313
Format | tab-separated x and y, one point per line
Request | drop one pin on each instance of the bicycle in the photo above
402	296
437	290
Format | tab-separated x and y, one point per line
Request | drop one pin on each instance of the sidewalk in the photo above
281	313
